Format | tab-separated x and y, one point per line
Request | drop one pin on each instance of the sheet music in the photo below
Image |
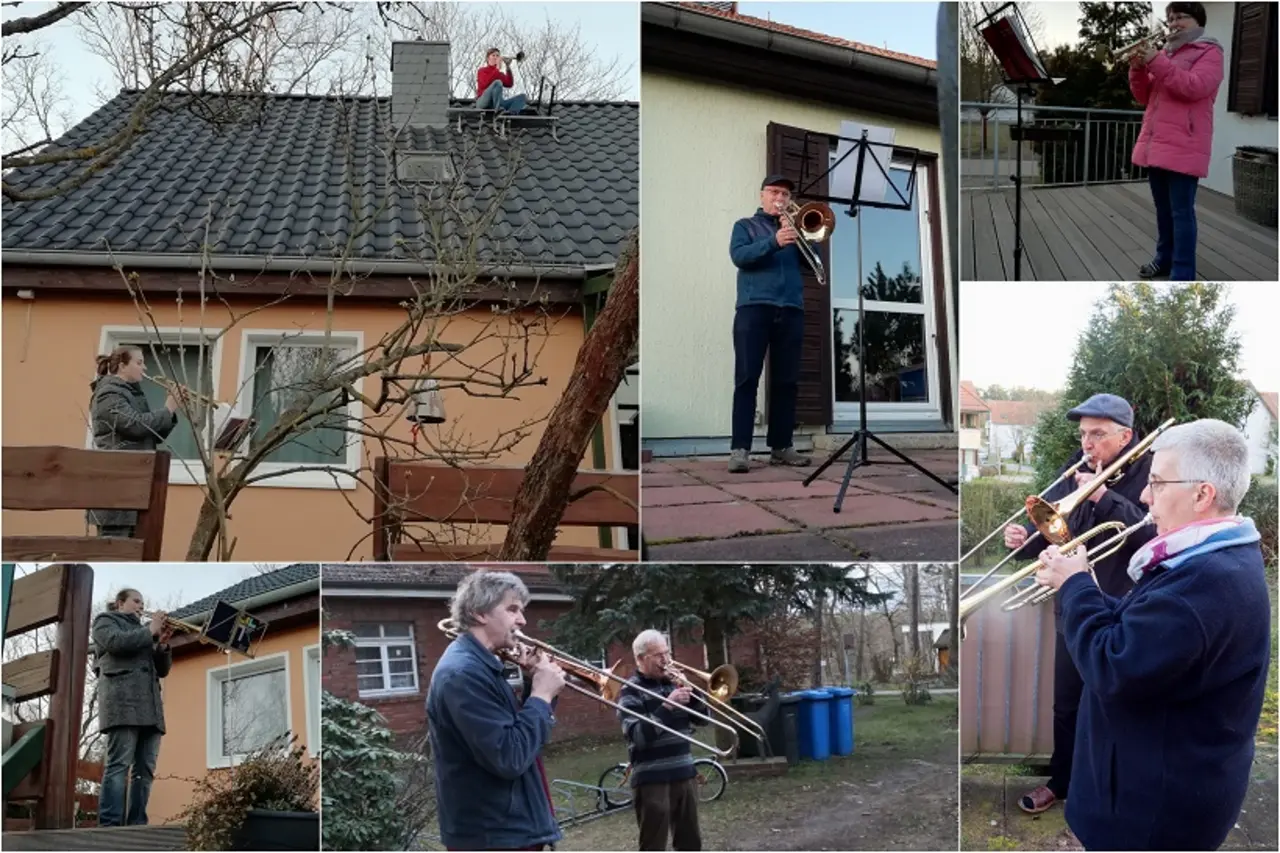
880	142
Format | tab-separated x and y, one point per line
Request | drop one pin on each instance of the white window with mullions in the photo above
189	357
386	661
280	369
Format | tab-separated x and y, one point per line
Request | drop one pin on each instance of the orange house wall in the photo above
183	755
50	343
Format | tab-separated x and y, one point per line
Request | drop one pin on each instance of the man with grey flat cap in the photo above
768	318
1106	432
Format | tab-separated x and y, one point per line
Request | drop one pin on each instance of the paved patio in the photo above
694	509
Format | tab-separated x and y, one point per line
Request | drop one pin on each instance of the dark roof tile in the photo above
251	587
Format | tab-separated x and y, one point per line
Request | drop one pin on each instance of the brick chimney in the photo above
420	83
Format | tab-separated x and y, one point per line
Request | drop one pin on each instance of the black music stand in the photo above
1005	32
806	189
233	630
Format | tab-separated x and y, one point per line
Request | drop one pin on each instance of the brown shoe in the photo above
1039	800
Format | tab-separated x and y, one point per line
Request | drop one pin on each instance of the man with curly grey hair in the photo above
490	786
1174	671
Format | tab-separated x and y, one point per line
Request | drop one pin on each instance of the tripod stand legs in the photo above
859	458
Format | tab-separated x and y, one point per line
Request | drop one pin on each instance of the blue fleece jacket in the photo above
768	274
1174	675
485	745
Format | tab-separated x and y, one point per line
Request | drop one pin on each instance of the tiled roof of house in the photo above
970	400
1016	412
278	183
254	586
729	11
438	576
1269	400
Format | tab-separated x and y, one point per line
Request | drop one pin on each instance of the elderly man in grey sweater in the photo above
130	658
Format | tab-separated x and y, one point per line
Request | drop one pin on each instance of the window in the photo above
311	684
386	664
282	370
1251	86
183	356
249	708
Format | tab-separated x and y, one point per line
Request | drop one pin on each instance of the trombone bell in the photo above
815	222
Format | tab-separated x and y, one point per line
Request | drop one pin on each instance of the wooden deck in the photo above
1103	232
117	838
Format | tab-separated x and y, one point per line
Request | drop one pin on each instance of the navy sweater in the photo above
768	274
1174	675
486	745
656	755
1120	503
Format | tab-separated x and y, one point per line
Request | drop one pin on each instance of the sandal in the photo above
1039	800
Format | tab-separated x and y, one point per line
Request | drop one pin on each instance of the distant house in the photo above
269	198
1012	425
975	415
1260	431
219	707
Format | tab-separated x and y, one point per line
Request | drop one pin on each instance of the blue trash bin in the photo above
820	723
804	723
841	720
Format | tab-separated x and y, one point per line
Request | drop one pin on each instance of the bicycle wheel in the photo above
614	789
711	780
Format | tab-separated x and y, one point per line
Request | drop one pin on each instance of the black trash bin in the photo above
784	738
748	703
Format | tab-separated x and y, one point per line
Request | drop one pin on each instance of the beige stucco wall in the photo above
702	150
184	750
49	348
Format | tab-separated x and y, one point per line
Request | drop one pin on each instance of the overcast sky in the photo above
1024	333
165	585
1061	23
907	27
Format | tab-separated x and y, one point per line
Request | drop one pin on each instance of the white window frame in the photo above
219	675
345	478
183	472
383	642
891	412
311	690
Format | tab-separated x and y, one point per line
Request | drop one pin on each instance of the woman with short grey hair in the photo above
1210	451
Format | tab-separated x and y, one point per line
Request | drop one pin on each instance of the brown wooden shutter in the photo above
1250	47
785	152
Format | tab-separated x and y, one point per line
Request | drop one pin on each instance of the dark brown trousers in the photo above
668	810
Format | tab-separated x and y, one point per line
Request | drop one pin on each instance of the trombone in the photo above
813	223
1039	594
721	685
605	685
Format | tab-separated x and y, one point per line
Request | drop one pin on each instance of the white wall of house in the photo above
1257	430
703	147
1230	130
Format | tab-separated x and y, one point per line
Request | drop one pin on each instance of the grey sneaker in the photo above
738	462
789	456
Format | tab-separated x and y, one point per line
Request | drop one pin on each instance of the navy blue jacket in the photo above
1121	504
768	274
485	745
1174	675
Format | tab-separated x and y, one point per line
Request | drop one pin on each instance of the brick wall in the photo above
576	715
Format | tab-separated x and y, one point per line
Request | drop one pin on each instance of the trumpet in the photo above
813	223
602	685
1156	38
721	685
1039	594
181	391
175	625
519	57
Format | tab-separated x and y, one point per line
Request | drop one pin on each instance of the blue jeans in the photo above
492	100
1175	199
136	746
779	331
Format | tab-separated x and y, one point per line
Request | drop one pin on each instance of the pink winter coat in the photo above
1178	92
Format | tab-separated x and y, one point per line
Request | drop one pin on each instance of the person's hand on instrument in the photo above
157	623
527	658
679	696
1015	536
171	401
1148	53
786	234
548	680
1083	477
1056	566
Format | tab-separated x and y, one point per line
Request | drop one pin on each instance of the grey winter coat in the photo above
129	664
123	420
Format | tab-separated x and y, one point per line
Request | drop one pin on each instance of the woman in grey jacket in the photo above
123	420
130	658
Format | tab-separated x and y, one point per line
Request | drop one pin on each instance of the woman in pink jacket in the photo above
1178	86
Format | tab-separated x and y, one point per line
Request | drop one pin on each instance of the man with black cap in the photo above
769	317
1106	432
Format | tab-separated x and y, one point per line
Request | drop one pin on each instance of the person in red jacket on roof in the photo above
1178	86
490	82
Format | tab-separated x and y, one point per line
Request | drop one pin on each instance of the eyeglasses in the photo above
1096	434
1156	483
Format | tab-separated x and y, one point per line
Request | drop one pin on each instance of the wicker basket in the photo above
1253	176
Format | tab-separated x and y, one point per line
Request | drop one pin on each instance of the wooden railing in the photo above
43	478
419	493
42	763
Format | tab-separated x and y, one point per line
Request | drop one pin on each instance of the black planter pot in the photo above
270	830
